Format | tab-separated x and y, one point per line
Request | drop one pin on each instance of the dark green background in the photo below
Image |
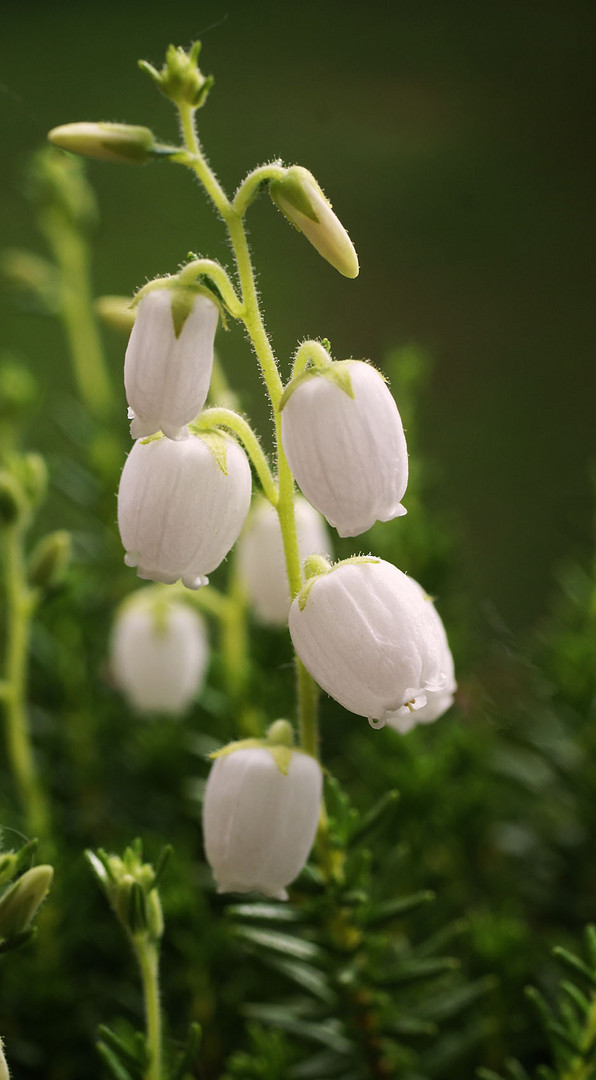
454	140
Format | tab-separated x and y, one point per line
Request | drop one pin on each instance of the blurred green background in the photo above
454	140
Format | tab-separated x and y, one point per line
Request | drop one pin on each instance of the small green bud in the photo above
22	900
116	312
300	198
33	474
12	500
4	1074
125	144
180	78
130	885
50	559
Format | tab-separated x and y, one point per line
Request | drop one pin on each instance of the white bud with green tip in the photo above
159	653
344	440
169	360
260	813
21	901
370	638
261	556
125	144
299	197
182	505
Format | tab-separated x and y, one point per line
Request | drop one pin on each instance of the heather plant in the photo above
363	903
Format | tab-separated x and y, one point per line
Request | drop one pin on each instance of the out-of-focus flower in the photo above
169	359
181	506
21	901
345	444
159	653
261	556
260	815
370	637
299	197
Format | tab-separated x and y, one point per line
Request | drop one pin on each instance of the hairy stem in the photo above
232	215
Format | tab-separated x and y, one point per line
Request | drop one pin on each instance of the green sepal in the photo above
217	444
293	188
305	591
279	742
183	300
337	372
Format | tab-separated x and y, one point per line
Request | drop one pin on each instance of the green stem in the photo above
147	954
219	417
232	214
251	185
311	352
77	314
20	605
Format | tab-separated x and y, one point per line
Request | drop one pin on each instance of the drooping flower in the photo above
261	556
260	816
437	701
370	638
169	359
299	197
159	652
181	506
345	444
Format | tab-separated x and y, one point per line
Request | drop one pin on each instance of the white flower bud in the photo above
159	654
348	453
167	369
4	1074
437	701
259	823
181	506
261	556
370	638
299	197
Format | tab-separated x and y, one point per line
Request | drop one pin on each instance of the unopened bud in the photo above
12	502
22	900
33	474
122	143
50	559
180	78
18	388
300	198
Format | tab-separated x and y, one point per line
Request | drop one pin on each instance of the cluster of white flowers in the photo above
367	633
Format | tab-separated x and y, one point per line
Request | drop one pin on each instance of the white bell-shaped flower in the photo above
437	701
182	505
261	556
348	453
370	638
159	653
169	359
260	819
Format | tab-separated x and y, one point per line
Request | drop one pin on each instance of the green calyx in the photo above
279	742
293	192
338	372
180	79
316	567
216	442
131	887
